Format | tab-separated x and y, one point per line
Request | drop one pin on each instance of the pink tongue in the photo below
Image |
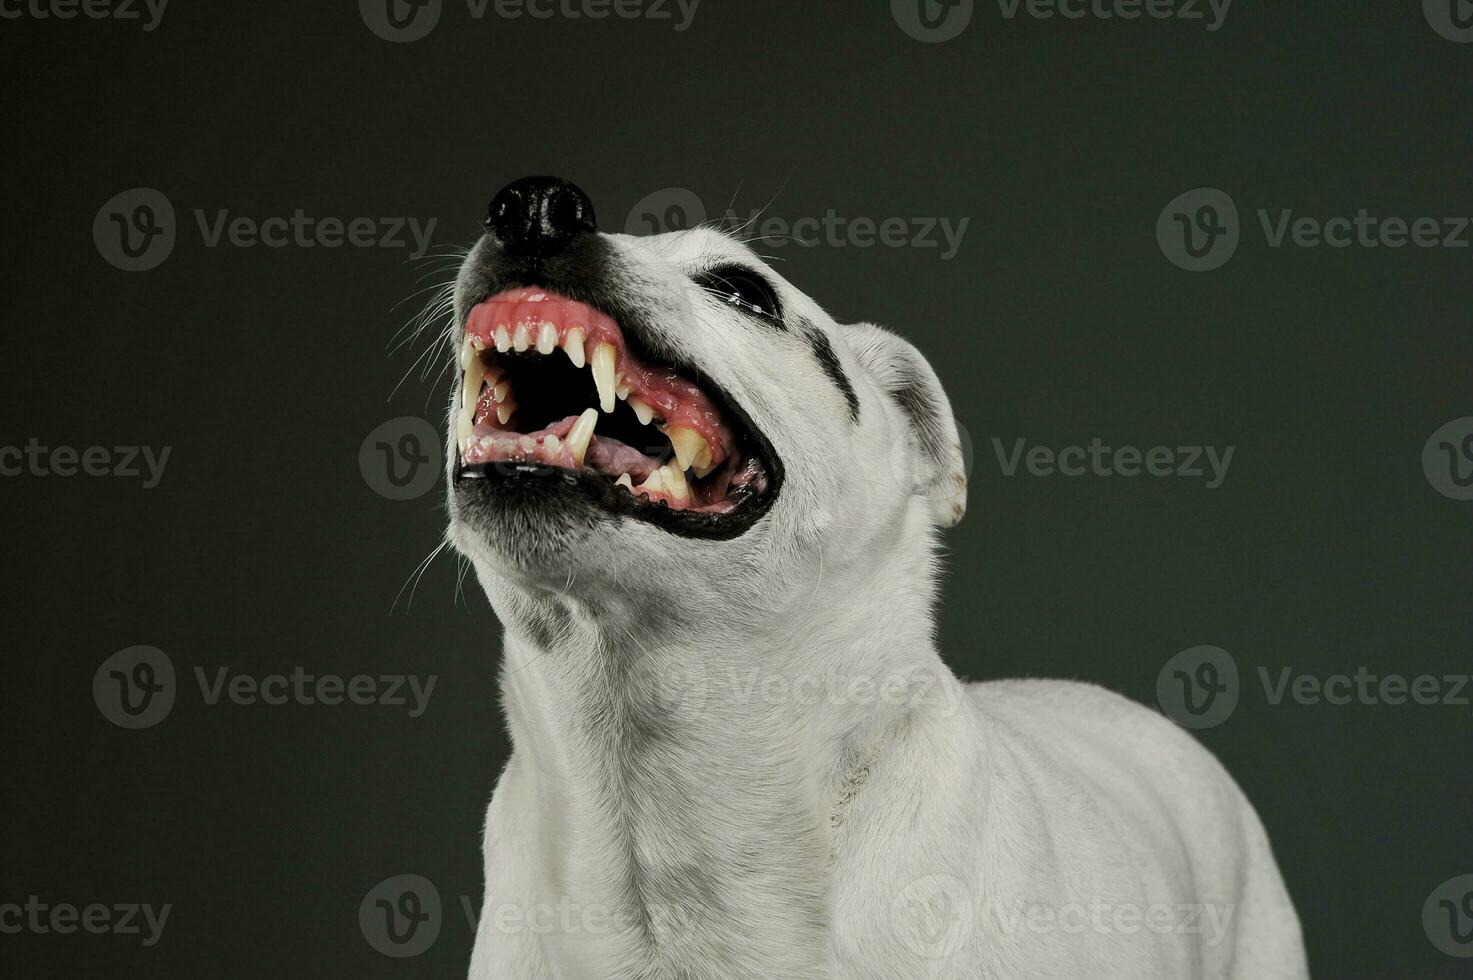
611	457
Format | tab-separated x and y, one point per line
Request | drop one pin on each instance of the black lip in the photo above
491	479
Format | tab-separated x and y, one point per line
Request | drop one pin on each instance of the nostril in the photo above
539	216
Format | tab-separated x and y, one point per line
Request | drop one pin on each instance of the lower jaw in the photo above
561	493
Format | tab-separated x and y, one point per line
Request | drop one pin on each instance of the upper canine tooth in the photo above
642	409
573	344
520	338
546	338
691	448
463	425
604	380
470	390
503	339
466	353
581	434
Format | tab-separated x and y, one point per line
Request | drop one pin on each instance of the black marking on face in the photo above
912	392
829	361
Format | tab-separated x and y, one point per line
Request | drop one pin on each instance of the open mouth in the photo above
552	386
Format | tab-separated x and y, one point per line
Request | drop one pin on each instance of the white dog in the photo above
707	516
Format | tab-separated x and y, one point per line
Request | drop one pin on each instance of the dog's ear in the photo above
935	466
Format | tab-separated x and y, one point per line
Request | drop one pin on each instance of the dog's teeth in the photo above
520	338
625	482
622	392
504	410
487	442
501	390
642	409
581	434
463	424
573	346
478	343
604	380
674	481
654	483
554	444
466	353
503	339
470	389
546	338
691	448
527	444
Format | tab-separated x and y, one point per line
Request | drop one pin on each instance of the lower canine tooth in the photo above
604	357
546	338
581	434
674	481
655	482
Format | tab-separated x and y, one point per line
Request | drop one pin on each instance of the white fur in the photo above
681	805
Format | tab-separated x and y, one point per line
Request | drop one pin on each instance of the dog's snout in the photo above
537	217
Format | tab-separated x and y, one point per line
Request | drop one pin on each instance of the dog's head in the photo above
667	414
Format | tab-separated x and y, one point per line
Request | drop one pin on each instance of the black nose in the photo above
539	216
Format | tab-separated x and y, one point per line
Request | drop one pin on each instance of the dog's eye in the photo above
742	288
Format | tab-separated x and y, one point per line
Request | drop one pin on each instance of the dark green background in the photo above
1059	320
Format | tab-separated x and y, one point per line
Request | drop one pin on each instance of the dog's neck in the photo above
690	773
